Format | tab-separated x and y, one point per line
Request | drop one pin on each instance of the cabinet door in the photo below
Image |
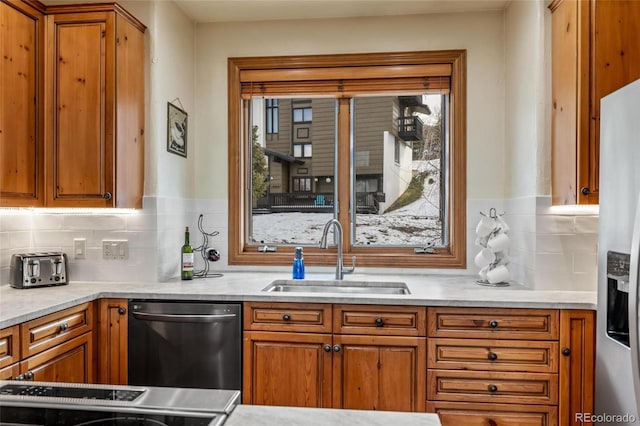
112	341
80	127
289	369
379	373
21	105
616	61
577	364
71	362
10	372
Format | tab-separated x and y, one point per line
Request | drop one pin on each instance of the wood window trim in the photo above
453	256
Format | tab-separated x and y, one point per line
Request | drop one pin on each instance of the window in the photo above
373	116
301	184
302	150
302	115
271	106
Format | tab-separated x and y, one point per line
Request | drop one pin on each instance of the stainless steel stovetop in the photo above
44	403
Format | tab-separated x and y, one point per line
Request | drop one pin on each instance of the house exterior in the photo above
298	138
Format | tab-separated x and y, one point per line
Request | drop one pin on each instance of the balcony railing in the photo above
311	202
410	128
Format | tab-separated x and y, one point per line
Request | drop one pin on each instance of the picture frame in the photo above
177	120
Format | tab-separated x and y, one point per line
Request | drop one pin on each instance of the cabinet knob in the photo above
28	375
566	351
64	326
493	324
20	377
107	196
379	322
493	356
122	310
585	191
327	348
286	317
493	388
336	348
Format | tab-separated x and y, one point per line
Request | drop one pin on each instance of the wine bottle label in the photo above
187	261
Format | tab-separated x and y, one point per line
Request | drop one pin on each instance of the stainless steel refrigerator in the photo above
617	373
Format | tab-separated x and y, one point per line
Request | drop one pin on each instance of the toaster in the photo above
29	270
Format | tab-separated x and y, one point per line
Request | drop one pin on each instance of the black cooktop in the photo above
71	392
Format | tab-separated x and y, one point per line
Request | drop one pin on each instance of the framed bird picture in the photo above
176	130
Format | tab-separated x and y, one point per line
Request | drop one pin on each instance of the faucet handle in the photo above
353	267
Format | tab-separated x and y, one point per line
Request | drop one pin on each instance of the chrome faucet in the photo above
337	230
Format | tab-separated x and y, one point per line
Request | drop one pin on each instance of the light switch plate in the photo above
115	249
79	248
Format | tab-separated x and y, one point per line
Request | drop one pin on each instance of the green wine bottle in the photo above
187	257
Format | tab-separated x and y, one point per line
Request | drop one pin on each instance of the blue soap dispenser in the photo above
298	264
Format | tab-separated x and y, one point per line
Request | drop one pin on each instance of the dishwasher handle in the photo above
144	316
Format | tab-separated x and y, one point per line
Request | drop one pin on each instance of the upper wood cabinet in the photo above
93	108
21	104
595	51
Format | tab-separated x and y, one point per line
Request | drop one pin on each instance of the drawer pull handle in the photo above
493	356
566	351
493	388
379	322
286	317
327	348
493	324
64	327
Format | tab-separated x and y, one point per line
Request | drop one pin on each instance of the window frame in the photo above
272	115
300	67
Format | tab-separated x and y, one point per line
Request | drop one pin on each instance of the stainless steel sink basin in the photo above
335	286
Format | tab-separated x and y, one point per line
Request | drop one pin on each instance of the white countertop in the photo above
295	416
19	305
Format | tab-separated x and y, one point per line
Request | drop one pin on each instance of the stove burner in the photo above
71	392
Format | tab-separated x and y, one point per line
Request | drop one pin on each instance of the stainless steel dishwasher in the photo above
185	344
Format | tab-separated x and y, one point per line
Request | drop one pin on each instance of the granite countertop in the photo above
19	305
294	416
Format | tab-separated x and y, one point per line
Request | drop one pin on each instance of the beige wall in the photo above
482	34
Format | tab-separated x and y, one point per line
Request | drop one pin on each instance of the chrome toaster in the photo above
29	270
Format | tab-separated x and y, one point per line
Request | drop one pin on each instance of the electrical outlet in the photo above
115	249
79	248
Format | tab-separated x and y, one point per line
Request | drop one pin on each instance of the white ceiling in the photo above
265	10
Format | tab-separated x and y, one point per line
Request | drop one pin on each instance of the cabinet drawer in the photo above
10	372
70	362
45	332
488	386
483	323
305	317
9	345
379	320
469	414
493	355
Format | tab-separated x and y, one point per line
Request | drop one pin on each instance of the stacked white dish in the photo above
493	239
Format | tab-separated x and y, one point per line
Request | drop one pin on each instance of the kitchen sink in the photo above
336	286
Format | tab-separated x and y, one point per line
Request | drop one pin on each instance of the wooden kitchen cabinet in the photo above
75	75
71	361
95	107
577	364
22	104
510	366
288	369
319	355
112	346
379	373
9	352
595	51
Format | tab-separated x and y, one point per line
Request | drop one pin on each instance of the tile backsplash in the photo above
551	248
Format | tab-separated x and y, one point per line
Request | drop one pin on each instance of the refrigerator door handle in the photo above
634	274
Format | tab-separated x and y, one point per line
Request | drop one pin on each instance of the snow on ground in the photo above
415	224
